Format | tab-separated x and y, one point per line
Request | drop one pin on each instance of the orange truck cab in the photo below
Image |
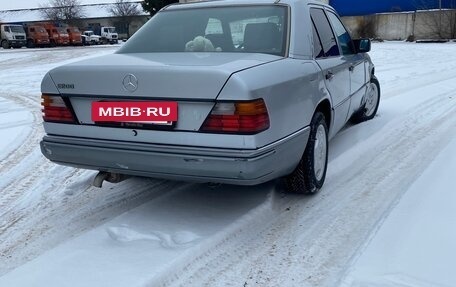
58	36
74	35
36	36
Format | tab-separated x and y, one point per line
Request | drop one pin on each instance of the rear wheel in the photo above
369	110
309	175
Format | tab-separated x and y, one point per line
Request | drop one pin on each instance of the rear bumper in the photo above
232	166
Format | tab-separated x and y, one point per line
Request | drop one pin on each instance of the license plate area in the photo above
135	114
139	126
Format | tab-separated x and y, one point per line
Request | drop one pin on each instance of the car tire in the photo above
309	175
5	45
30	43
370	107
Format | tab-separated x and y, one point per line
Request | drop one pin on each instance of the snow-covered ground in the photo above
385	216
416	245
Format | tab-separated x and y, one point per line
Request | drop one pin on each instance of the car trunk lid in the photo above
159	75
193	80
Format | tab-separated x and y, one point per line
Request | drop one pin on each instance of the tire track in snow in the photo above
34	209
24	158
47	214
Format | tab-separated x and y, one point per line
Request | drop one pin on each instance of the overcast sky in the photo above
24	4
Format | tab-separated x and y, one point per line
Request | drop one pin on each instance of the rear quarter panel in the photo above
290	88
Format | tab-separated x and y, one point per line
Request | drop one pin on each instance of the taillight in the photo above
237	117
55	110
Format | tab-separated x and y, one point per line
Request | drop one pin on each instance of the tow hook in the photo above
109	177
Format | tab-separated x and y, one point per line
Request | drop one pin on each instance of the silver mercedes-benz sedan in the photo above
223	91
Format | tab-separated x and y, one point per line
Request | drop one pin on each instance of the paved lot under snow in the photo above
385	216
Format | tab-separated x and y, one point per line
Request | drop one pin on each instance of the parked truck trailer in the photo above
107	34
12	36
36	36
74	35
58	36
89	38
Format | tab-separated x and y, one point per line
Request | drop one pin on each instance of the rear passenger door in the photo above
357	62
335	67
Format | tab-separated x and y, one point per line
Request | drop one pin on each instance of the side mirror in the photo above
362	45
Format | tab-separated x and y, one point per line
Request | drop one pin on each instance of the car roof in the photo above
218	3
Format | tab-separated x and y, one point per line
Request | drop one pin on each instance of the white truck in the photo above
107	34
89	38
12	36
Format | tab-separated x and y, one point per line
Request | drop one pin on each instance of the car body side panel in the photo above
358	79
300	35
48	86
291	89
358	73
338	86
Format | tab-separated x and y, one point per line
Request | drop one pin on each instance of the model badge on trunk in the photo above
65	86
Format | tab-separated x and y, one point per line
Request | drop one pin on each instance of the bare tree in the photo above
124	11
62	10
153	6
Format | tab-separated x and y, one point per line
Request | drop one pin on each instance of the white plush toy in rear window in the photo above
201	44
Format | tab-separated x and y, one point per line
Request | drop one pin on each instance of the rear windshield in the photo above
247	29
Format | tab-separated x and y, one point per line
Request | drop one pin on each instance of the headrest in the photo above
262	37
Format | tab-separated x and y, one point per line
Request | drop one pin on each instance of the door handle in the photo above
329	75
351	68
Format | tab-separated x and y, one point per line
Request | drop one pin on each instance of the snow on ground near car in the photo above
139	245
15	122
59	231
415	246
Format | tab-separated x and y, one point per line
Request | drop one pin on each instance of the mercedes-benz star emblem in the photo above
130	83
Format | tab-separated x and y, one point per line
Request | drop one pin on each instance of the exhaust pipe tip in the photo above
99	178
109	177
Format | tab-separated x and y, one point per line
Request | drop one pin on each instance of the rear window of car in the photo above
245	29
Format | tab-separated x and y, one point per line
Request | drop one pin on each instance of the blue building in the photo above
366	7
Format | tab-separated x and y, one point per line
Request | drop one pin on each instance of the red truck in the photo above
36	36
58	36
74	35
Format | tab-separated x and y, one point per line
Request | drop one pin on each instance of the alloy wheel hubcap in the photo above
320	152
372	99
